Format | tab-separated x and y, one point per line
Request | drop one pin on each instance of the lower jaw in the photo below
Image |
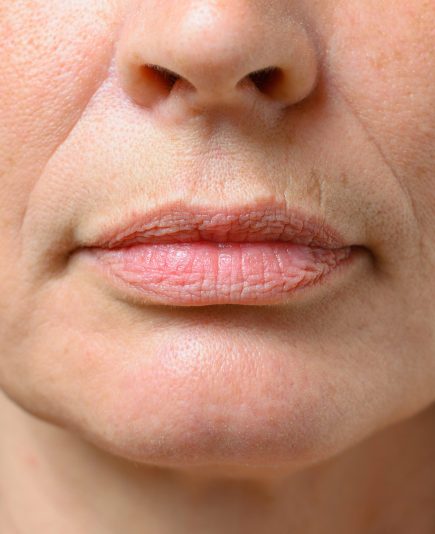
206	273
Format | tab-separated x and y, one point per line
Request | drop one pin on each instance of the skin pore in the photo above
314	416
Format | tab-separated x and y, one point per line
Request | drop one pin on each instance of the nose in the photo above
214	51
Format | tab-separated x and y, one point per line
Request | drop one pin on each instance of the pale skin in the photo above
313	416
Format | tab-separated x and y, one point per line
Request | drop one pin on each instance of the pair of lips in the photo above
184	257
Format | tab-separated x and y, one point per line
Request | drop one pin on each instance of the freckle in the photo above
344	179
398	55
313	186
31	461
379	61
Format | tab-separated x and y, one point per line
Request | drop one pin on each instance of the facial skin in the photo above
83	139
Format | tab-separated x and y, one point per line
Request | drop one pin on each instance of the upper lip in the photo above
180	222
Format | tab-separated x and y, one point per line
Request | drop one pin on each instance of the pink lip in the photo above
186	257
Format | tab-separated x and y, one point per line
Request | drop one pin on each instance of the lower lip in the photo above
205	273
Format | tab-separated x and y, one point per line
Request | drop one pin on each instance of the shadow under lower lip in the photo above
201	273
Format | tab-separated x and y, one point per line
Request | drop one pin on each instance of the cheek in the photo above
53	57
386	79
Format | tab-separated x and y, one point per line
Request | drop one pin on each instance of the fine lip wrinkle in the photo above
183	223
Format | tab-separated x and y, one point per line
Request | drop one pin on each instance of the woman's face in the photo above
91	139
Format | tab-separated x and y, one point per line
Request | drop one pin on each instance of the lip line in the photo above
179	222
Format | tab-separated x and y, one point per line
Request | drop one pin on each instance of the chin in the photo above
205	402
208	394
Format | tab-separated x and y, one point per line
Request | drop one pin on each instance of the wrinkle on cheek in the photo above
386	81
54	57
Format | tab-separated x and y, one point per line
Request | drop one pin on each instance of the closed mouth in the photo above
194	257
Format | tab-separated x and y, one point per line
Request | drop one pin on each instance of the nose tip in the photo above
215	51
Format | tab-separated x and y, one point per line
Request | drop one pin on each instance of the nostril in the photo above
149	83
267	80
158	75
